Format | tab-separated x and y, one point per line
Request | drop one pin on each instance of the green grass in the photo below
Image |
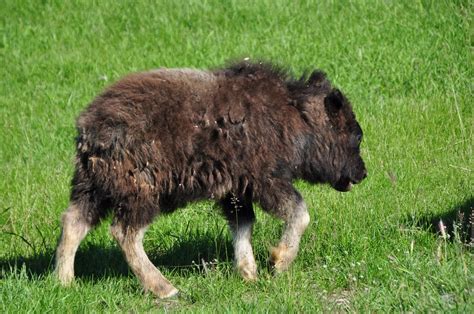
407	67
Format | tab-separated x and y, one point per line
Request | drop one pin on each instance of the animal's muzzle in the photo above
345	184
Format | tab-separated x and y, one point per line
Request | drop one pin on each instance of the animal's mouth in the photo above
344	185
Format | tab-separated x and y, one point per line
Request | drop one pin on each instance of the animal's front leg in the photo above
244	259
289	206
286	251
240	215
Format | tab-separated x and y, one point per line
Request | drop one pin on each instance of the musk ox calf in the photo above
154	141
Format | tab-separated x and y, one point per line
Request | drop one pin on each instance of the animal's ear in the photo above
317	78
333	103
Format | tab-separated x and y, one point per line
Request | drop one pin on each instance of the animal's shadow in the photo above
457	224
196	253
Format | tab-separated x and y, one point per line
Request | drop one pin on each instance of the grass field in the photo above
407	67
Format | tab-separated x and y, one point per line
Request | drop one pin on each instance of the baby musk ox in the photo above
155	141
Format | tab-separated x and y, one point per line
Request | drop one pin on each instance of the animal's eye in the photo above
359	138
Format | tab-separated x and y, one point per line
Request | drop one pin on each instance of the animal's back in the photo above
146	106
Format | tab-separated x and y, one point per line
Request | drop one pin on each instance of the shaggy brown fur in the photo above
157	140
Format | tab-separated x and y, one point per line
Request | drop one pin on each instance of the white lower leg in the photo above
244	259
287	249
74	230
131	242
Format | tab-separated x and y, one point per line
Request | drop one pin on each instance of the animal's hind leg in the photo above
74	228
241	217
130	240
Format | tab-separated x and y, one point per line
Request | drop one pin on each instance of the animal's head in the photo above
333	148
348	166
